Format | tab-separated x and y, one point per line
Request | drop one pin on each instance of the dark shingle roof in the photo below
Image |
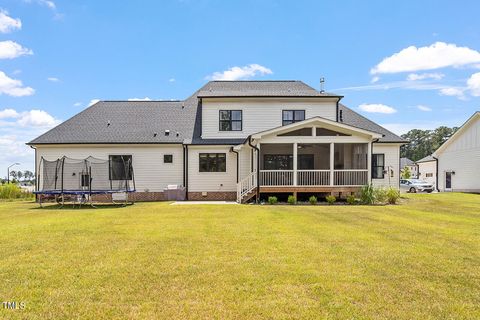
138	121
354	119
406	162
260	89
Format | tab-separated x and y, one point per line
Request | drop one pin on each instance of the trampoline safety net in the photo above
85	176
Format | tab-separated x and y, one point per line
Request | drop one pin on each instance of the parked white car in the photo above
415	185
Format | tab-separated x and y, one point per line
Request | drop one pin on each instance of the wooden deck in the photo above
303	189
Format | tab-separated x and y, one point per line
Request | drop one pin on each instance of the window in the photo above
378	166
278	162
291	116
230	120
167	158
212	162
120	167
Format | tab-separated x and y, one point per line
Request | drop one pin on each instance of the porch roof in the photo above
319	120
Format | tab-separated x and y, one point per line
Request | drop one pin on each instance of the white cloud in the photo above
93	101
140	99
171	80
239	73
435	56
7	23
375	79
48	3
8	113
423	76
376	108
53	79
36	118
453	92
473	84
13	87
77	104
19	128
424	108
10	50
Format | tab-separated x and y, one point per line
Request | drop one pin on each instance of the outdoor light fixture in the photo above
8	171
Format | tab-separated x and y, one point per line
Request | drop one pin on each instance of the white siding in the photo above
211	181
392	163
245	161
259	115
462	155
425	168
150	172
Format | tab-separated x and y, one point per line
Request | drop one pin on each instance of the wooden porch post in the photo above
295	151
332	162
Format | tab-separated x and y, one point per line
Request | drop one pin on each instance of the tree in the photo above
406	174
19	175
13	174
425	142
28	175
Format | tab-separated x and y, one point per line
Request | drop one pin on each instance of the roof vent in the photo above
322	84
154	134
108	123
167	133
178	133
183	105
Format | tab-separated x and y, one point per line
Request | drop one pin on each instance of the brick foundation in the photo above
219	196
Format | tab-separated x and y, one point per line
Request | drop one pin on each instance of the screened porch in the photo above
314	164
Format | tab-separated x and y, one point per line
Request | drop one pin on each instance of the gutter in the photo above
236	152
258	167
436	173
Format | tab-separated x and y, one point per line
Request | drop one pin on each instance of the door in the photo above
448	181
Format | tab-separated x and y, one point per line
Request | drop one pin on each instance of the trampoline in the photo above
84	180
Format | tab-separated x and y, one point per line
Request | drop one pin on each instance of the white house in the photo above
459	158
233	140
427	170
412	166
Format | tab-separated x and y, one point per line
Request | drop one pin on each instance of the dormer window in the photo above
230	120
292	116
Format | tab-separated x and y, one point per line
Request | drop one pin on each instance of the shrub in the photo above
367	194
351	199
392	195
272	200
313	200
292	199
13	191
330	199
380	195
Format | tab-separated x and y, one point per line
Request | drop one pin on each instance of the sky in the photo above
403	64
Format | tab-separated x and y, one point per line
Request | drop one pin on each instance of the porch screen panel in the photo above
349	156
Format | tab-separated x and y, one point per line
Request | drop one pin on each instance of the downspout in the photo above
436	173
258	167
337	107
236	152
186	172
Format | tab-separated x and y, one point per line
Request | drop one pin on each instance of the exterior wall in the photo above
212	196
413	170
211	181
260	115
429	167
392	163
151	174
462	155
245	164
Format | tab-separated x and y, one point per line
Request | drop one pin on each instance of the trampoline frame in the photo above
84	196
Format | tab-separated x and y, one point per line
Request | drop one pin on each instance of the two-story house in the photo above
233	140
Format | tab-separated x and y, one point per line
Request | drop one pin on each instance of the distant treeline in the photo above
424	142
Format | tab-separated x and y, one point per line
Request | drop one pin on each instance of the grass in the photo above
418	260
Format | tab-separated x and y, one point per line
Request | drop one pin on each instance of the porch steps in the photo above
249	196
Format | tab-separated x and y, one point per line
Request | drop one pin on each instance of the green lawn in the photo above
418	260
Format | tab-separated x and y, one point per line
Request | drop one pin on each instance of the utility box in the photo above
174	192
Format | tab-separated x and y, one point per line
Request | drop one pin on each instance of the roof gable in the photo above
458	133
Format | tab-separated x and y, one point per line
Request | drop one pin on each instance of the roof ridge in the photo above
142	100
255	81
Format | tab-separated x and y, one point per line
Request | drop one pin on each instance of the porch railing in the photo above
352	177
313	177
276	177
281	178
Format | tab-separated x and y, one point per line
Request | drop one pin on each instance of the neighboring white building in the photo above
233	140
412	167
427	170
459	158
